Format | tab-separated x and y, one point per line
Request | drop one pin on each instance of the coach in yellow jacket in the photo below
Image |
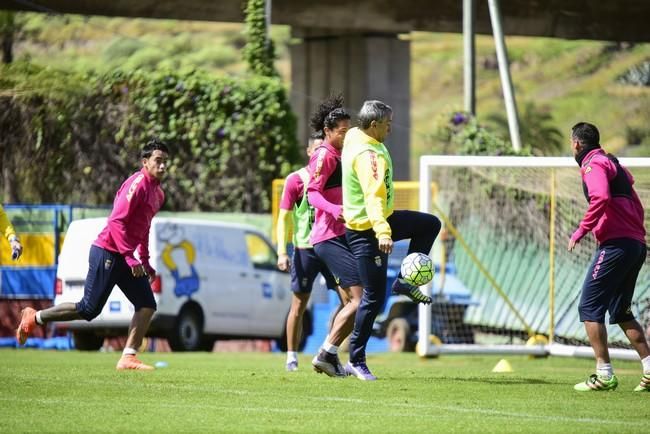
372	225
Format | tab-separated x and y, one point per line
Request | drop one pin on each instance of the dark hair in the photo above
313	137
328	114
316	135
587	134
154	144
334	117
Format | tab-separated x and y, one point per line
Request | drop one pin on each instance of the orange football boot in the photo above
131	362
27	324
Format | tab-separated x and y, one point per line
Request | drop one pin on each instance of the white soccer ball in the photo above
417	269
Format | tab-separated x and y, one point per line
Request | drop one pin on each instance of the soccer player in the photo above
328	234
8	231
112	261
372	225
304	264
616	218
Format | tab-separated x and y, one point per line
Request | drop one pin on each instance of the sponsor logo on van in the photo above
185	285
267	290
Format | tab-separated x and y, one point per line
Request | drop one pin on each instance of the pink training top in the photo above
136	202
325	193
610	215
293	190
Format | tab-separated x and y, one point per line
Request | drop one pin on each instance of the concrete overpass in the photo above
352	46
620	20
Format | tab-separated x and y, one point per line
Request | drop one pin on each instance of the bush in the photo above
146	58
212	57
229	138
259	51
462	132
121	48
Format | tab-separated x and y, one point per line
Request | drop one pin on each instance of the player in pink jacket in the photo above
325	194
112	261
616	218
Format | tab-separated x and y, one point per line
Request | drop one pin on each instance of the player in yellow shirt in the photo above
372	224
304	265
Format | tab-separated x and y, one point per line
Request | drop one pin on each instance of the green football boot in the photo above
596	383
644	385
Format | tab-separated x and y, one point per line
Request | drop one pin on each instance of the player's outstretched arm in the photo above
284	221
10	233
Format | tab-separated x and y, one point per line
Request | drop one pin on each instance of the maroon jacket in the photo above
136	202
615	210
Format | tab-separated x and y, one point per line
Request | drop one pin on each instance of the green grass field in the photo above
251	392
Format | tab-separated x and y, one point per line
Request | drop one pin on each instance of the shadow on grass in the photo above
488	380
501	380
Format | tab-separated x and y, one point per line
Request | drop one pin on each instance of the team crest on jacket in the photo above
319	162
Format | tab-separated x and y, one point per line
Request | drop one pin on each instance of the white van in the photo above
214	280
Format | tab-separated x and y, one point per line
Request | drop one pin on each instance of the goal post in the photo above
507	222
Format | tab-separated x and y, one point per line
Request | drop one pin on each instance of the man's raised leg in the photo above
30	318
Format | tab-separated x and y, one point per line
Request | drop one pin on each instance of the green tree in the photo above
259	51
67	137
536	129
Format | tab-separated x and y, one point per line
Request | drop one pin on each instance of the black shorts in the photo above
305	266
371	263
336	254
105	270
611	277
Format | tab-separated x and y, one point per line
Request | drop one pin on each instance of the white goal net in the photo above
507	221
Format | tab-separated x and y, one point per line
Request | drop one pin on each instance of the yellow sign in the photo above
38	251
407	196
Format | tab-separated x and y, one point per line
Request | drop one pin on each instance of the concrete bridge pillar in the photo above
361	66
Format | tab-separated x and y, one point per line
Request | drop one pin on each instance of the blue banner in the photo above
28	282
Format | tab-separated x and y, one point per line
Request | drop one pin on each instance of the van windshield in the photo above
261	253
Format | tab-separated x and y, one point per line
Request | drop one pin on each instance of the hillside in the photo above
557	82
569	80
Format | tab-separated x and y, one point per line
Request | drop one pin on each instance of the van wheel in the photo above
87	341
399	335
187	334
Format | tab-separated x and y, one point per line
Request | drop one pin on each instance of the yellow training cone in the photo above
502	366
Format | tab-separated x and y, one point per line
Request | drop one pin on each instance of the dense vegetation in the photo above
68	70
71	135
557	83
